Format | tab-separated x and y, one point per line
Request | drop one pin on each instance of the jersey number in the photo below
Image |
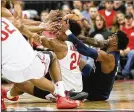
6	31
74	62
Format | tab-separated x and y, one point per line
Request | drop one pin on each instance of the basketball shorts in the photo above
37	69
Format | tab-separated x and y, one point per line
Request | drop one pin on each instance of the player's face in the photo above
112	40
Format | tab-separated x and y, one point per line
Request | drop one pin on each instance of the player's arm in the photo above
93	42
51	44
107	61
6	13
34	28
17	8
82	48
30	22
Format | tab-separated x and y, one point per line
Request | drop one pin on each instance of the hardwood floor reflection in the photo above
121	98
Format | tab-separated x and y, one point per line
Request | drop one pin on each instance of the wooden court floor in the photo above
121	99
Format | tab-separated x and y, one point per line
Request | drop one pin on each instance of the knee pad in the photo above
39	92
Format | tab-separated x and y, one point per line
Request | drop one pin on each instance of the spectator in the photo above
85	12
128	2
130	9
43	15
93	13
129	52
119	6
100	28
108	13
77	5
129	30
66	7
119	22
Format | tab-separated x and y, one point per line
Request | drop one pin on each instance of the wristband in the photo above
68	32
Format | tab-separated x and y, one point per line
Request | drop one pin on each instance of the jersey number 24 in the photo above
75	62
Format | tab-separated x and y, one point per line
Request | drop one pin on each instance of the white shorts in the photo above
37	69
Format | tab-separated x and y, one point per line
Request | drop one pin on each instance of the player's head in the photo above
6	3
119	40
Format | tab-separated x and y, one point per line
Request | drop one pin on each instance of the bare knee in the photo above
19	85
25	87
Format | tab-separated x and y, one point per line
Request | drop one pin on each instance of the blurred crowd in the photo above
101	19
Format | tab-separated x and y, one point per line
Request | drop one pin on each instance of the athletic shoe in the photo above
3	107
66	103
77	95
4	93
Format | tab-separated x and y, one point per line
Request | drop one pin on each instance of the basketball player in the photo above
21	65
99	83
68	57
71	74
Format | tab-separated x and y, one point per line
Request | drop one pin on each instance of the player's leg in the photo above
58	90
56	76
12	94
71	94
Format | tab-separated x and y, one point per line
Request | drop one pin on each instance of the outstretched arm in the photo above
93	42
17	8
107	60
83	49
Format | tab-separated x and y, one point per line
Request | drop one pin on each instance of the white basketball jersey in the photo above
71	74
17	54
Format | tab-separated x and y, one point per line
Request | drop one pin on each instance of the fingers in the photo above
36	37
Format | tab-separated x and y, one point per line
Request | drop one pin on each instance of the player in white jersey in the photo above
70	69
68	57
18	56
23	66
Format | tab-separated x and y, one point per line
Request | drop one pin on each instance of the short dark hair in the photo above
122	40
75	27
8	4
128	16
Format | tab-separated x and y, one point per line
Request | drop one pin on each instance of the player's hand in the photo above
36	37
55	28
17	22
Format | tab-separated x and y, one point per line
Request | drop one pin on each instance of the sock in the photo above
37	92
59	89
9	95
50	97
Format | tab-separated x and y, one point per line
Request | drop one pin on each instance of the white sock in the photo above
50	97
59	89
9	95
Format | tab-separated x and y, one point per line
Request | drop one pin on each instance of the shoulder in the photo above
5	12
105	57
